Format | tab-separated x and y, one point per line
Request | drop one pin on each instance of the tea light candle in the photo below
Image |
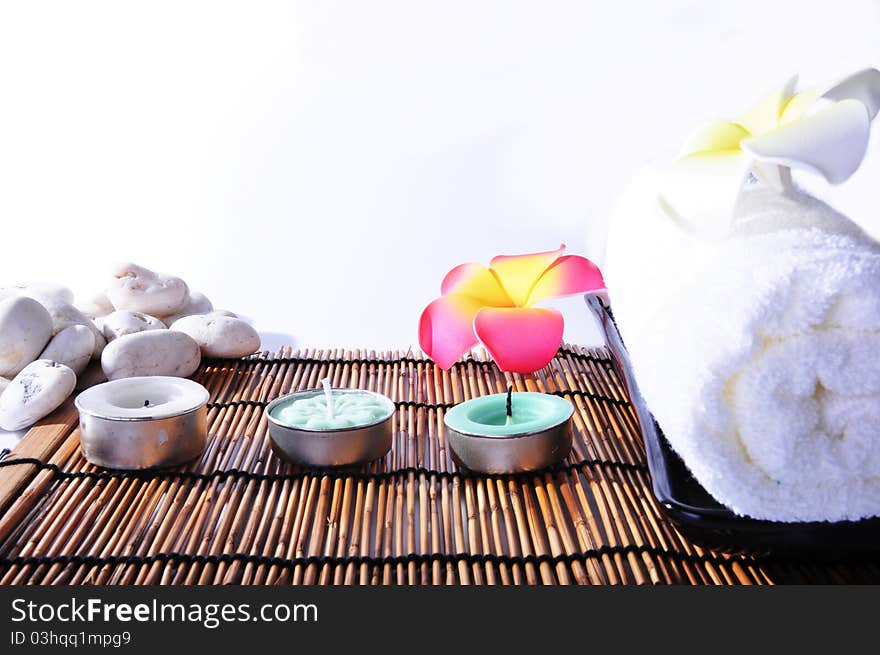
143	422
328	412
331	427
510	433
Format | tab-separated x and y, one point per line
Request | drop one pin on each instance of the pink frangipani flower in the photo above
495	306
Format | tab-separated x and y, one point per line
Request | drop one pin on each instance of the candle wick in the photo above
146	403
510	401
328	394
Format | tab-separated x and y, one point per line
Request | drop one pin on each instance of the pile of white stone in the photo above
144	323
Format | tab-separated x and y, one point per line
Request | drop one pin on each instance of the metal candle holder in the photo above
117	431
336	447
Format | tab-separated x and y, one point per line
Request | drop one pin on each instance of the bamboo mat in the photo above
240	515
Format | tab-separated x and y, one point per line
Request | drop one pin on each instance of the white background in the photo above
319	166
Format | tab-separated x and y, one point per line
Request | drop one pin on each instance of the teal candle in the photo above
510	433
530	412
349	410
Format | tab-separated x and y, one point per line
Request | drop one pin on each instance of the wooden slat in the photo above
40	442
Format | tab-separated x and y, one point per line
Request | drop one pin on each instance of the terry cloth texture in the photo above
759	354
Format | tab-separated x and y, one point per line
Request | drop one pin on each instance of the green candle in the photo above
529	412
338	411
333	427
510	433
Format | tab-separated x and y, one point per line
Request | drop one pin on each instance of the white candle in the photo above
328	394
143	398
143	422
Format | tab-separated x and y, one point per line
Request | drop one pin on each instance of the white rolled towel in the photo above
758	354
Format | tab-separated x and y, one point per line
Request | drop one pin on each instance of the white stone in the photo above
220	336
122	322
223	312
25	329
99	305
197	303
64	315
139	289
154	352
39	291
93	375
35	392
73	347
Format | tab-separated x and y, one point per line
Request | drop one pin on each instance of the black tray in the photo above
703	519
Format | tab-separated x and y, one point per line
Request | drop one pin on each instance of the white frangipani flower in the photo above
824	130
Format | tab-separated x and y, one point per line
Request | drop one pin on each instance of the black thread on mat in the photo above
405	404
238	474
400	404
417	558
369	361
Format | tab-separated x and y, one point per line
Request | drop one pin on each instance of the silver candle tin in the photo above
342	447
521	453
116	440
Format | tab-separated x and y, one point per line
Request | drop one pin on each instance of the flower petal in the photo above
446	328
520	340
476	281
568	275
798	105
717	135
700	191
765	115
831	142
518	274
863	86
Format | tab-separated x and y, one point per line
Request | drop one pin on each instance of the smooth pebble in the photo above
36	391
64	315
139	289
99	305
196	303
220	336
123	322
39	291
73	347
25	329
154	352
